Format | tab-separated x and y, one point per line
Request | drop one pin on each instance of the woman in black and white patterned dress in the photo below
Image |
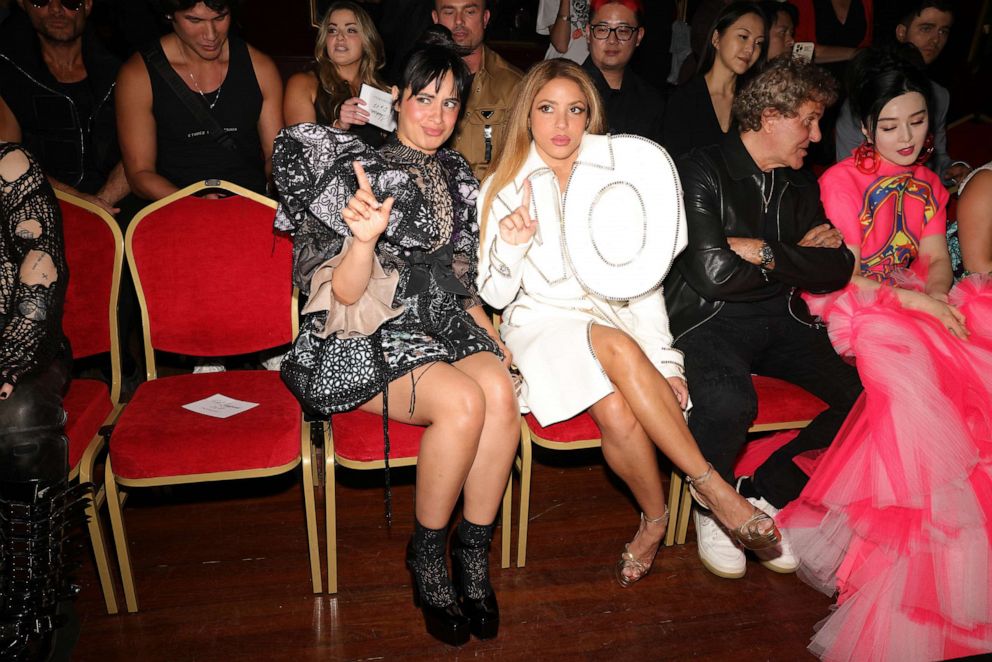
386	244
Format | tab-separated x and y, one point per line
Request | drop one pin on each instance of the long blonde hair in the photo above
512	152
335	89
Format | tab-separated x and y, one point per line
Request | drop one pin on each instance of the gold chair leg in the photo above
97	541
330	511
95	527
524	464
674	504
685	507
114	508
310	507
504	535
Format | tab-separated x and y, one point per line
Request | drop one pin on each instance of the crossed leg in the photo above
652	403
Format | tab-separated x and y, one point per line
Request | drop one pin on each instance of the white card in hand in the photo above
220	406
379	105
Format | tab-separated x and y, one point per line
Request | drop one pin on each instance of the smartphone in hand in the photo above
803	51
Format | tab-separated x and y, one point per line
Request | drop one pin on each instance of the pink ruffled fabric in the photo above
897	519
364	316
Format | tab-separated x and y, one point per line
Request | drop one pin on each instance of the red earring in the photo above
866	159
926	151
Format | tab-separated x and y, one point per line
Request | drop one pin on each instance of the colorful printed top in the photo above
887	212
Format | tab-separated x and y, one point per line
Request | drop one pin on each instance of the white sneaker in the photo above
718	552
779	558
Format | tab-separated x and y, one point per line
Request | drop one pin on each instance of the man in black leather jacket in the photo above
757	236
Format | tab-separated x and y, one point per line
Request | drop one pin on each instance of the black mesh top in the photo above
33	272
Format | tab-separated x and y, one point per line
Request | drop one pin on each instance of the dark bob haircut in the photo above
880	75
435	54
727	17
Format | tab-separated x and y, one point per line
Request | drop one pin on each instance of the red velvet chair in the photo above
212	280
354	441
781	406
574	434
94	250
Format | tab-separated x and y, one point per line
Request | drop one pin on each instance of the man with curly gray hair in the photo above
757	237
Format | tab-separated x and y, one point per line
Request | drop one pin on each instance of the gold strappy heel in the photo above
629	562
753	534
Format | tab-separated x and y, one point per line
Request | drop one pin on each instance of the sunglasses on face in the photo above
71	5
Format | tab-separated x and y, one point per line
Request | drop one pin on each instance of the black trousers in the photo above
720	357
32	443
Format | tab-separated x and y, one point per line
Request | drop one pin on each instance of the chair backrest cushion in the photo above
90	247
216	280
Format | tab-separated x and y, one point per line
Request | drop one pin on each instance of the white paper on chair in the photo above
379	105
219	406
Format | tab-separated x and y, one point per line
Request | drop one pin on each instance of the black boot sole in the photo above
446	624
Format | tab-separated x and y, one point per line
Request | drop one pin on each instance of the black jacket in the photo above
723	198
76	150
637	107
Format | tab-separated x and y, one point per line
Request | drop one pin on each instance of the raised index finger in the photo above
525	203
363	180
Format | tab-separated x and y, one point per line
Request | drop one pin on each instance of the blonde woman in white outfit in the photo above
574	251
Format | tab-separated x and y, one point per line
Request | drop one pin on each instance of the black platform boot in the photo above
432	590
470	563
36	522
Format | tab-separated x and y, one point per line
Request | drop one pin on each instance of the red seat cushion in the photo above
782	402
156	437
88	404
358	437
577	428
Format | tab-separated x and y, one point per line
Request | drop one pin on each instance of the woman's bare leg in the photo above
631	455
452	406
650	398
498	442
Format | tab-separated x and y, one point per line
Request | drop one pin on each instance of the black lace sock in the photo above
472	551
429	567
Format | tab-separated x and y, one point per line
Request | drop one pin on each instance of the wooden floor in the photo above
221	573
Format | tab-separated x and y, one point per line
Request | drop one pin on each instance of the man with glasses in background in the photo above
632	104
56	97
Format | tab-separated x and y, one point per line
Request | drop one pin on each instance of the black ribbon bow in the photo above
423	264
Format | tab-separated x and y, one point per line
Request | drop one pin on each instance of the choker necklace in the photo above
189	72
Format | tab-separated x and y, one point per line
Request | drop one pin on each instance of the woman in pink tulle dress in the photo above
896	518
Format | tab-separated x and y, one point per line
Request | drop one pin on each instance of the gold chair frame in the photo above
117	497
524	465
85	469
331	457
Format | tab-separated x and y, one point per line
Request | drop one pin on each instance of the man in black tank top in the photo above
198	104
56	97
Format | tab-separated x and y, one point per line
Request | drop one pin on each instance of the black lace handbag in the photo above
332	375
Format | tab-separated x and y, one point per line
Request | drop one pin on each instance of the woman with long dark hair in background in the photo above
699	112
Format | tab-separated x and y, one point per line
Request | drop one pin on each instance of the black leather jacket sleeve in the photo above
713	213
816	270
708	264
